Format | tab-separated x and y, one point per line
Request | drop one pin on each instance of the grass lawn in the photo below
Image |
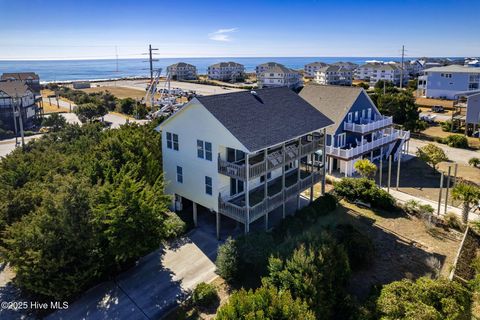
436	131
119	92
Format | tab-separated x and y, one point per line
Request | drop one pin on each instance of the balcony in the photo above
391	136
275	159
368	126
259	205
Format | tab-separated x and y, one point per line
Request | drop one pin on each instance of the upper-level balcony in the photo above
275	158
366	126
260	203
389	136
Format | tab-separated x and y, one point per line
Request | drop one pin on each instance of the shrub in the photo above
227	260
456	141
475	162
452	221
264	303
424	299
446	126
432	155
365	190
204	295
365	168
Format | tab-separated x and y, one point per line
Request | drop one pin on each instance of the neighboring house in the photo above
16	94
182	71
346	65
243	154
30	78
334	75
446	82
81	84
311	68
360	131
413	67
375	71
467	112
274	74
226	71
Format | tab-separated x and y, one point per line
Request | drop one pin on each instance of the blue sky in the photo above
63	29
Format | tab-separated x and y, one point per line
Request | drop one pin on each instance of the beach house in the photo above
334	75
446	82
372	72
182	71
31	79
16	95
360	131
311	68
274	74
243	155
226	71
466	112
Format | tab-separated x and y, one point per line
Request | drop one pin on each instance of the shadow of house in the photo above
414	173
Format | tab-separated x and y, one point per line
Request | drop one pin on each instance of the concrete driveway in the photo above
154	286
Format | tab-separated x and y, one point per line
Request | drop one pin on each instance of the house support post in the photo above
218	225
283	179
247	193
298	174
311	176
440	194
266	221
398	168
324	160
195	220
448	186
389	172
381	168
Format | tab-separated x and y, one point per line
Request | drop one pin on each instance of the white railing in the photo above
367	127
393	135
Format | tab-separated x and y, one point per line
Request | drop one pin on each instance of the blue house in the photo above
360	131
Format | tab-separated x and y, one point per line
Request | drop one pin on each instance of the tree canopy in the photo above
432	155
81	203
365	168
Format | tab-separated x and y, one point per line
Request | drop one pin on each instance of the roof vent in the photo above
255	95
253	92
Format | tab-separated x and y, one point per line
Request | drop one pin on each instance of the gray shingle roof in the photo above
19	76
332	101
181	65
269	117
226	64
14	88
454	68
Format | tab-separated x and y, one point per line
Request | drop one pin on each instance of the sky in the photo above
88	29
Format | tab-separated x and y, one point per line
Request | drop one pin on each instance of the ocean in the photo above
102	69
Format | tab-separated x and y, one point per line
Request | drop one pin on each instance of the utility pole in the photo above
151	60
401	70
116	62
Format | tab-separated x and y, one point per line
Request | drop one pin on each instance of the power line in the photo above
151	60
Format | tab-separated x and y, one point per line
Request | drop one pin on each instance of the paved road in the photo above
7	146
454	154
154	286
438	116
202	89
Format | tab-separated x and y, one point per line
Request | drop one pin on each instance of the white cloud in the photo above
222	34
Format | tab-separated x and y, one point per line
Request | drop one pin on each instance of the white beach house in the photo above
243	155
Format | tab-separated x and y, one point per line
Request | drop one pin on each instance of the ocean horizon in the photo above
109	69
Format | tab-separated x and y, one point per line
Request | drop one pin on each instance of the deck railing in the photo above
368	146
269	203
274	160
367	127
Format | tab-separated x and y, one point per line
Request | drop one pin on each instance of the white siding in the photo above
191	123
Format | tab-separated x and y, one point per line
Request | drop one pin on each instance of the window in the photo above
356	115
236	186
349	117
208	151
208	185
200	150
369	113
179	174
204	150
341	139
172	141
262	178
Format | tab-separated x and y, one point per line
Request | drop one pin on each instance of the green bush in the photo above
424	299
227	260
205	295
364	190
446	126
456	141
264	303
474	162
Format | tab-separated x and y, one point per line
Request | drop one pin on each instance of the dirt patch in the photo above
436	131
119	92
434	102
404	248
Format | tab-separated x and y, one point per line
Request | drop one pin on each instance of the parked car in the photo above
438	109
